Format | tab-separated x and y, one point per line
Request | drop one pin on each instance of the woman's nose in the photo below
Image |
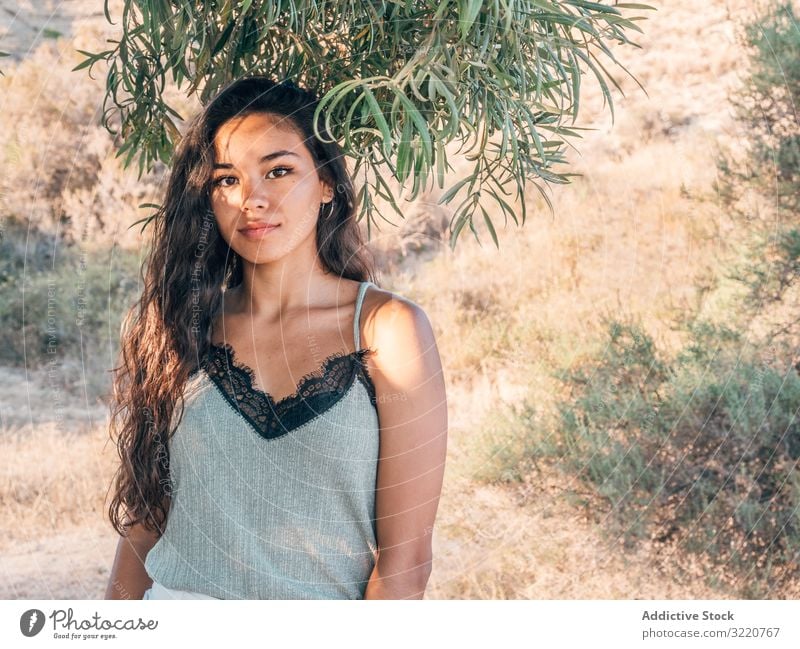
254	195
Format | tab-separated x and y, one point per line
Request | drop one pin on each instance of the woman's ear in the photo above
327	191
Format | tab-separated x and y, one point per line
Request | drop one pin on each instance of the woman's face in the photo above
265	191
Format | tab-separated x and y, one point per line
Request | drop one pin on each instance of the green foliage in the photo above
67	304
606	455
772	266
496	451
766	106
698	451
398	81
766	112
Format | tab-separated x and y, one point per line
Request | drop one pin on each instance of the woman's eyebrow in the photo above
266	158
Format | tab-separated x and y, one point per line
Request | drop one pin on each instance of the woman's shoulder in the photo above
405	358
384	304
390	318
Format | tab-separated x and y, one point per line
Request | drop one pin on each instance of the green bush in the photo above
60	303
498	451
698	451
765	161
695	452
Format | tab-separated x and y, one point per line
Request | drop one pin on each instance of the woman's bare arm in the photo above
412	408
128	579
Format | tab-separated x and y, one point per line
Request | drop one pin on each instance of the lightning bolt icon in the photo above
32	621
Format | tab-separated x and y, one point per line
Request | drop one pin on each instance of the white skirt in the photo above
157	591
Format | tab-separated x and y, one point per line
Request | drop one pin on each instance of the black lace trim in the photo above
317	391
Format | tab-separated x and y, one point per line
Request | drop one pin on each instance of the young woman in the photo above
281	420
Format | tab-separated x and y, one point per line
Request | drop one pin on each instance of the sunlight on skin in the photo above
264	173
412	404
251	185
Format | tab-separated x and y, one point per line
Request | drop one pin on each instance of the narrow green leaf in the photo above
502	202
490	226
461	221
450	193
634	5
223	39
419	122
593	5
462	216
380	120
467	13
404	153
440	162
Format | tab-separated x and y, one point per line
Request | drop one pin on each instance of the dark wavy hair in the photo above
168	330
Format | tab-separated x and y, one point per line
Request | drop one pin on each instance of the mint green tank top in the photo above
273	500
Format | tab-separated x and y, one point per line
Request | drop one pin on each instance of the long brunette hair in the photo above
168	331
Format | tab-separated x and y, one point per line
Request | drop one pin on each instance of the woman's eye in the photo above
286	169
222	181
230	181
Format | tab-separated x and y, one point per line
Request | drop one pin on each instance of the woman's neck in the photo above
259	300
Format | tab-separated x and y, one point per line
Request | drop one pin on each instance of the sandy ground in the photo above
72	565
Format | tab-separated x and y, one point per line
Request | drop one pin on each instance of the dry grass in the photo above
56	543
54	482
551	550
636	234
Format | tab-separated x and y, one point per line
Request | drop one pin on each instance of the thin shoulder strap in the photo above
362	291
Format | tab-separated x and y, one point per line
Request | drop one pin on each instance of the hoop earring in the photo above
330	211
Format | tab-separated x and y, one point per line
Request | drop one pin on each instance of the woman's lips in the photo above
257	233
